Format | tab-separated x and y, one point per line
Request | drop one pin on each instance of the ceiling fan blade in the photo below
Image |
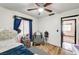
48	10
32	9
51	14
47	4
37	4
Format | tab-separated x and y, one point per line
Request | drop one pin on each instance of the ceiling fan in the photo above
42	8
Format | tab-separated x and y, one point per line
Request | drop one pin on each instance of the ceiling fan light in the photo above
40	9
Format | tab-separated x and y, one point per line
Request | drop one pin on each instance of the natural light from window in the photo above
67	27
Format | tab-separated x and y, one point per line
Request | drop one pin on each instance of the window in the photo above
24	26
67	27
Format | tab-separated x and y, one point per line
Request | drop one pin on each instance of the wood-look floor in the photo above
51	49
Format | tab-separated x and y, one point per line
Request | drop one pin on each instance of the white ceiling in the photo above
56	7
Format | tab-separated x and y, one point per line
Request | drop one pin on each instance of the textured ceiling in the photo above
55	7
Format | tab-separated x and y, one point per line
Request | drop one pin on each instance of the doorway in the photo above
68	33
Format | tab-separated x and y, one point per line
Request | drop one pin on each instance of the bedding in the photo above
75	49
9	44
12	47
19	50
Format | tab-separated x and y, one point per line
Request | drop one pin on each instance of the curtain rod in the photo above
23	18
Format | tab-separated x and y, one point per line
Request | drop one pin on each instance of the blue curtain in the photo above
30	29
17	22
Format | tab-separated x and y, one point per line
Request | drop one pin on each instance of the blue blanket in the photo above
19	50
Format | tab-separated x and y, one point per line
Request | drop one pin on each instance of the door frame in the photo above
62	25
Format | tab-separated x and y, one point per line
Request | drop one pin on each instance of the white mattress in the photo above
8	44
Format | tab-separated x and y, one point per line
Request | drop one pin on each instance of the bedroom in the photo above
41	21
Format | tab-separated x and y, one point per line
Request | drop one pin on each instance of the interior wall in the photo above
53	23
6	19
